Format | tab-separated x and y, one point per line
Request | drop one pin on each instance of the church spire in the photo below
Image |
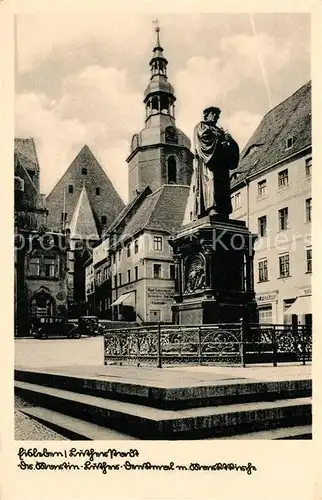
159	96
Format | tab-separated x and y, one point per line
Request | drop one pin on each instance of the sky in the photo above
80	79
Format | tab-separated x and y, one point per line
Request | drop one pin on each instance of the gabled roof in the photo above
163	210
108	203
267	146
83	225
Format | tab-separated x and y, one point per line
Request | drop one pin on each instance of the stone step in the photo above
153	423
189	394
296	432
73	428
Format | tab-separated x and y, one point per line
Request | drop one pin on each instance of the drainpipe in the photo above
246	181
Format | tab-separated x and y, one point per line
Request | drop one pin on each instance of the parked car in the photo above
54	326
89	325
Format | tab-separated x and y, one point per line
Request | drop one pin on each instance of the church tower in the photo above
160	153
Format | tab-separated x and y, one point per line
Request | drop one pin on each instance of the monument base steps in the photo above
92	409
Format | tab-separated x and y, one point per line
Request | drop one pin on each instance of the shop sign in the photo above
266	297
160	295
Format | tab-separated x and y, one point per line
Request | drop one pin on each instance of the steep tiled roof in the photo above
127	209
163	210
26	151
26	163
83	224
267	146
107	203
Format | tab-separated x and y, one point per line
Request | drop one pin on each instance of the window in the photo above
115	281
71	188
308	209
103	219
136	246
119	254
128	249
97	190
113	258
158	240
236	201
172	170
309	260
34	266
265	314
261	187
262	271
308	167
99	276
284	265
262	225
172	272
105	273
290	142
156	270
49	267
283	178
136	273
283	219
286	305
120	279
129	275
84	171
63	217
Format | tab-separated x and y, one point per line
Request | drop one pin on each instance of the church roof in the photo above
85	170
163	210
268	144
82	225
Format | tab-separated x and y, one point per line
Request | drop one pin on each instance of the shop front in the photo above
267	307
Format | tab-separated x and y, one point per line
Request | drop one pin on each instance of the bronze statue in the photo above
216	154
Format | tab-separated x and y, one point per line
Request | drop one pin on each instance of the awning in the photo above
125	298
301	306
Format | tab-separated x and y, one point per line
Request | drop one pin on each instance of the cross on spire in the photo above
157	30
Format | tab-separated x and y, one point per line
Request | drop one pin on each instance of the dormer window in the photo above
290	142
252	148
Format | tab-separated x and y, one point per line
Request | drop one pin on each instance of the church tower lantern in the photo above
159	96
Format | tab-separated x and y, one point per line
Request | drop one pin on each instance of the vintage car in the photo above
54	326
89	325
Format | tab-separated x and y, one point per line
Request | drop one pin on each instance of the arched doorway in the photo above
42	304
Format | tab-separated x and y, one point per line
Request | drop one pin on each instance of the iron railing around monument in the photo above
222	344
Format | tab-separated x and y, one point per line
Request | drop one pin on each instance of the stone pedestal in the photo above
214	272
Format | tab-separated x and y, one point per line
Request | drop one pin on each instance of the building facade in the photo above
84	202
41	285
271	191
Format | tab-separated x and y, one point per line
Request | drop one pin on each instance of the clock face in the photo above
171	135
